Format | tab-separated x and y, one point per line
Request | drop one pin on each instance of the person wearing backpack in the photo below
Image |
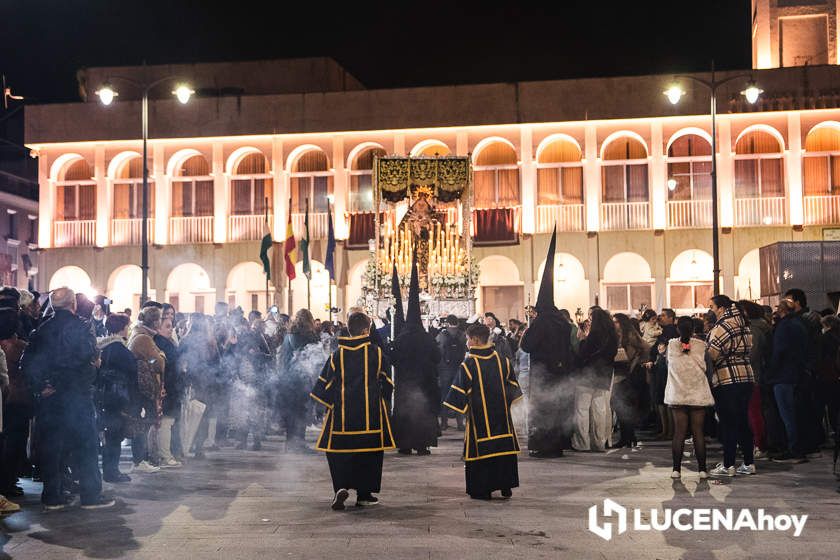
453	347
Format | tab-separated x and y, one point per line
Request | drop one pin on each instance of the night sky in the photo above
384	44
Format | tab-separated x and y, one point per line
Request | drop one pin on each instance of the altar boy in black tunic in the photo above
354	386
484	390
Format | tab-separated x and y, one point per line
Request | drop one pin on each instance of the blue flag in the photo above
329	260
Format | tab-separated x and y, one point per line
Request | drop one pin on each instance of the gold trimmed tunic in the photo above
353	386
484	389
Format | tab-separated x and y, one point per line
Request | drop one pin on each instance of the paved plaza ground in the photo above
267	504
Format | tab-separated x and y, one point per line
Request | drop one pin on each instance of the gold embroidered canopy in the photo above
396	175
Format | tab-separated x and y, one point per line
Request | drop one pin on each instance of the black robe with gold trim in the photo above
354	386
484	389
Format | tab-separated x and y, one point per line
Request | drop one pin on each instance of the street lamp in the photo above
674	93
106	94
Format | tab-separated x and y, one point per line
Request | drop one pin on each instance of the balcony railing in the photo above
128	231
75	233
625	215
191	229
767	211
689	213
568	217
317	225
822	210
247	227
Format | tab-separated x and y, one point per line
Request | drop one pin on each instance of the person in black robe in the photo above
484	389
354	386
548	341
415	356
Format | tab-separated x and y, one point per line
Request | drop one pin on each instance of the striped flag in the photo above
289	252
304	244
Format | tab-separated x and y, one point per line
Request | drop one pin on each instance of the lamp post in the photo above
751	93
106	95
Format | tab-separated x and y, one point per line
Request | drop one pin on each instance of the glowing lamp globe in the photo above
672	184
674	93
106	94
183	93
751	93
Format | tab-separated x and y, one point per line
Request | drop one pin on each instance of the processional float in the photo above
423	206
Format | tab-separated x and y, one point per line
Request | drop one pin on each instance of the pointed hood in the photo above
412	316
545	297
398	318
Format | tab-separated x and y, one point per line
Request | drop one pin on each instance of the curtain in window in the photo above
508	187
746	178
181	201
701	174
204	198
484	186
572	184
758	142
122	201
824	139
772	183
497	153
263	195
87	202
65	203
560	151
311	161
682	297
640	295
364	161
241	191
816	175
548	186
361	193
78	171
617	298
251	164
612	184
681	173
322	186
362	228
195	166
637	183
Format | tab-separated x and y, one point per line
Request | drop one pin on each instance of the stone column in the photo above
103	208
46	203
793	171
591	179
163	194
658	177
341	189
221	196
527	180
280	194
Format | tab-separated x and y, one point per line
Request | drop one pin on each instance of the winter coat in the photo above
762	348
19	392
827	369
787	365
116	384
596	355
453	347
172	379
687	383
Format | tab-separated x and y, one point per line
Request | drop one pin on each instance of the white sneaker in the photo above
145	467
720	470
676	474
171	464
703	475
746	469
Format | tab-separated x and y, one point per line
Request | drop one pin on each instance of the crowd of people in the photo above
80	380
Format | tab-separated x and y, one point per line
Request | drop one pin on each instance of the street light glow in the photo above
183	92
106	94
674	93
752	92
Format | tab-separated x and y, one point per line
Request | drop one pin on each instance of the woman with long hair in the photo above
687	393
596	355
629	379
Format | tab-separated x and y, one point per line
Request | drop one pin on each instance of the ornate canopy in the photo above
448	175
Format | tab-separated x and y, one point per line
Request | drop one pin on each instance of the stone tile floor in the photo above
267	504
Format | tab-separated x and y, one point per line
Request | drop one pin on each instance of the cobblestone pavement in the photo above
267	504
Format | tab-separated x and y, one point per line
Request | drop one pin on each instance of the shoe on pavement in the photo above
339	499
116	478
815	455
676	474
145	467
101	503
789	458
720	470
54	507
745	469
507	493
171	464
703	475
367	501
8	507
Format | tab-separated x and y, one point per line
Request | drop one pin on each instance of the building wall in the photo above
794	33
17	244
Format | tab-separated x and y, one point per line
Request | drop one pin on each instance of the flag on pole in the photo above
329	259
289	252
304	243
265	246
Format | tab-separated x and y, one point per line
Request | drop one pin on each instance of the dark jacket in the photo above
62	353
548	341
116	381
453	347
789	340
812	322
172	381
827	368
762	348
19	392
596	355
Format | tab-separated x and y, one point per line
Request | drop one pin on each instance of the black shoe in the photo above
339	499
13	492
404	451
100	503
480	496
545	454
365	501
116	478
241	445
789	458
423	452
506	493
199	455
257	446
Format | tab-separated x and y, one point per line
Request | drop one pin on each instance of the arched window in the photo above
689	182
251	186
126	225
821	170
759	180
75	205
560	184
496	177
361	185
624	185
311	180
822	161
192	188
